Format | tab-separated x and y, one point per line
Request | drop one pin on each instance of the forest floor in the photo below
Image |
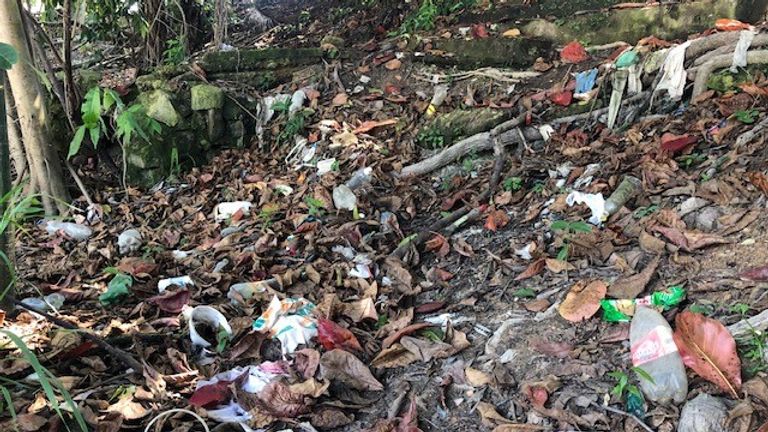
491	325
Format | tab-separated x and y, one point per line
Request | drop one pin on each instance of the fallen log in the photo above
507	134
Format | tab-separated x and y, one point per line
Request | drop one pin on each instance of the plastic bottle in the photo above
628	188
74	231
654	351
360	178
441	92
51	301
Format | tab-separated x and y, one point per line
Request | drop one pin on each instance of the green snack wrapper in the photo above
622	310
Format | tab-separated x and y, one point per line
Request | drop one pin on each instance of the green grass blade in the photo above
43	375
9	401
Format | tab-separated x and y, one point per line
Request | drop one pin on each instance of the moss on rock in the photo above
207	97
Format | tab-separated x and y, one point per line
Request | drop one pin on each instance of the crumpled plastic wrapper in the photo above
595	202
290	321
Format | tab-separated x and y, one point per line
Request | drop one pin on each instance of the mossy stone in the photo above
159	107
207	97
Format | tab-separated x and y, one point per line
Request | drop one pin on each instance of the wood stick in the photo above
119	354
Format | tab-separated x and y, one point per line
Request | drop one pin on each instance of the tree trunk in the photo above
45	165
71	99
154	45
221	15
15	146
6	272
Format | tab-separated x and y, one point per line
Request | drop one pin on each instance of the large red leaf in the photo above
211	395
574	52
332	336
171	302
708	348
756	274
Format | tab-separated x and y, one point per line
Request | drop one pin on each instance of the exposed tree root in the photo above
721	61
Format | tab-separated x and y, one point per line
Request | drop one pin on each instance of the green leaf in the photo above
643	374
560	225
581	226
112	98
11	408
91	108
222	339
524	292
746	116
117	288
8	56
563	254
77	141
95	133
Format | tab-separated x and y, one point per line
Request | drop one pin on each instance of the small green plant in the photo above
128	121
468	163
691	160
512	184
175	168
645	211
569	229
524	293
741	309
315	206
539	187
175	51
704	309
267	214
424	17
746	116
629	393
430	138
433	334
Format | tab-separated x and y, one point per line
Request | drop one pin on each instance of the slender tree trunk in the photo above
45	165
15	145
71	99
6	272
154	46
221	15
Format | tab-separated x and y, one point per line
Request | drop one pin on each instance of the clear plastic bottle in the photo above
76	232
655	352
360	178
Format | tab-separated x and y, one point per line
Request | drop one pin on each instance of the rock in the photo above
704	413
236	129
129	242
259	59
464	123
207	97
215	123
488	52
159	107
706	218
691	204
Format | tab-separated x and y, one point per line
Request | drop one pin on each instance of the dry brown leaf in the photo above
393	357
393	64
340	99
535	268
583	300
359	310
343	366
708	348
557	266
394	337
651	244
369	125
489	416
630	287
760	181
477	378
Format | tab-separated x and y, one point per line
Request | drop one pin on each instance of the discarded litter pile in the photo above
581	278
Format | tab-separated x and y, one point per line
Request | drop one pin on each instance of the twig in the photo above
119	354
751	134
624	413
79	183
173	411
